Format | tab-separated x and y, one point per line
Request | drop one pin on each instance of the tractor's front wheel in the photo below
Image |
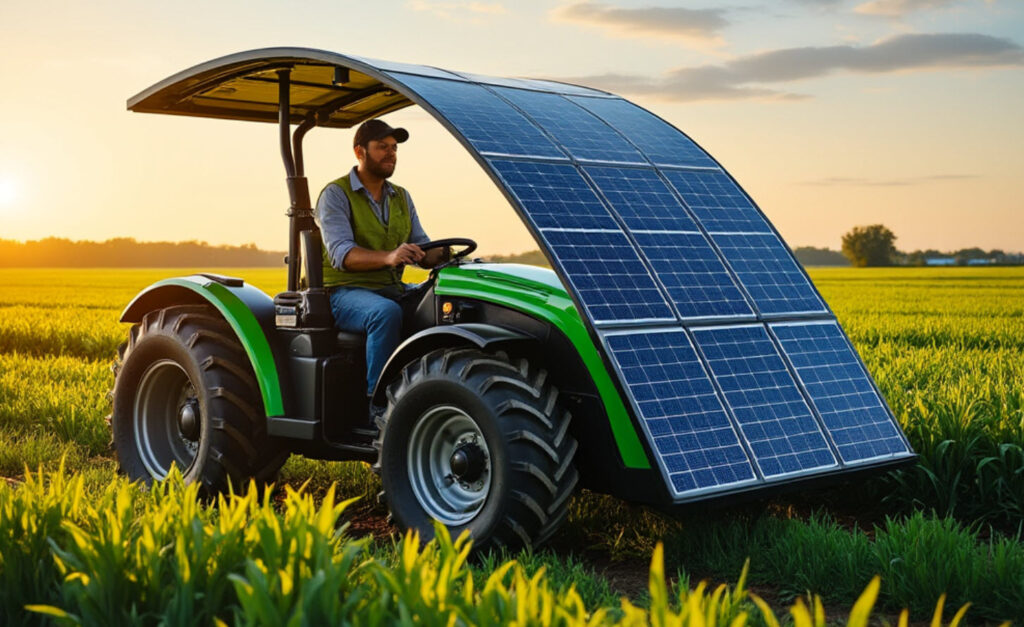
480	442
185	394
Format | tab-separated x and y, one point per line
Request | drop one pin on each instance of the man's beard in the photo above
379	168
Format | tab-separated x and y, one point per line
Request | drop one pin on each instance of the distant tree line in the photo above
875	245
811	256
863	246
126	252
962	257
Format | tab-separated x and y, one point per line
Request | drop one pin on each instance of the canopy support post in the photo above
300	210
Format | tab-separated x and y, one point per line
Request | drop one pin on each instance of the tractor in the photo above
515	385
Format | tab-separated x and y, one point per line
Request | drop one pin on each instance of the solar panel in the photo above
555	195
717	202
565	88
774	418
693	274
769	273
696	444
661	143
500	81
408	68
489	123
655	242
606	271
583	135
641	198
860	425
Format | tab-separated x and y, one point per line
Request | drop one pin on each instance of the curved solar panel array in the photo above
737	371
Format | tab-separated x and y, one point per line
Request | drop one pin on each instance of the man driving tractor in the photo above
370	231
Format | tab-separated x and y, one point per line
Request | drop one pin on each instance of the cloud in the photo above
458	10
899	8
896	182
664	22
745	77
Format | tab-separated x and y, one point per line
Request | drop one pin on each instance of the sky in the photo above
830	113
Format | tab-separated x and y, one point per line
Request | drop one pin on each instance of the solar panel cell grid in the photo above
489	123
693	436
661	143
555	195
641	198
769	273
611	280
585	136
839	387
717	202
693	274
773	416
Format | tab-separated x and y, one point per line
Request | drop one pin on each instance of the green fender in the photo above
248	310
539	293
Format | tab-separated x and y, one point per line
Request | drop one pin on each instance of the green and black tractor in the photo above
512	387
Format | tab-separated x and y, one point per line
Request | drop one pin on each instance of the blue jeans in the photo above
359	310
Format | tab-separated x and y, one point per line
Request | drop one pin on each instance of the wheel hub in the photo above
166	420
468	463
449	465
188	419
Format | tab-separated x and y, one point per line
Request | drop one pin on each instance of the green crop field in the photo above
77	543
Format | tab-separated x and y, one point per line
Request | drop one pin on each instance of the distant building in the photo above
980	262
940	261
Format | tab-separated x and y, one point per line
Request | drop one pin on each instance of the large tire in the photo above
185	393
511	485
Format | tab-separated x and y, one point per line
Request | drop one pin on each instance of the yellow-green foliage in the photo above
944	345
123	556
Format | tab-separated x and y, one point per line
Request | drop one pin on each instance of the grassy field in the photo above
944	345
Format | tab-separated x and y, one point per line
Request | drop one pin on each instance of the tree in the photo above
870	246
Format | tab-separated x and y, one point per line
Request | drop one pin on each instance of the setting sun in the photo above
8	193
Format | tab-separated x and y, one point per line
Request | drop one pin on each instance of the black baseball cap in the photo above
371	130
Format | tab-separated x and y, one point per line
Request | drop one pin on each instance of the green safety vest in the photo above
371	234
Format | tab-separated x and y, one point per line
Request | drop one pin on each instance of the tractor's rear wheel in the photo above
480	442
185	394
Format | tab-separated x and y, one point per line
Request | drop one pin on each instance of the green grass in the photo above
117	555
944	345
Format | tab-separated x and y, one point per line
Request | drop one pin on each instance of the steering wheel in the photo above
469	244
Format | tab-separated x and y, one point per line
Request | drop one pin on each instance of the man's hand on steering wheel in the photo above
405	254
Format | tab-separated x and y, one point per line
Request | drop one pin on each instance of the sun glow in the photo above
8	194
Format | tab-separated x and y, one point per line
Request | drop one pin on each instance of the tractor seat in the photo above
346	340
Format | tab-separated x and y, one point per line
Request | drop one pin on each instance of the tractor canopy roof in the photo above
736	371
343	90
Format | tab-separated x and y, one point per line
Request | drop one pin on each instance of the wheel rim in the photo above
444	437
167	421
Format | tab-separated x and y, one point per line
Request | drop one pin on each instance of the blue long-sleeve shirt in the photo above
333	215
